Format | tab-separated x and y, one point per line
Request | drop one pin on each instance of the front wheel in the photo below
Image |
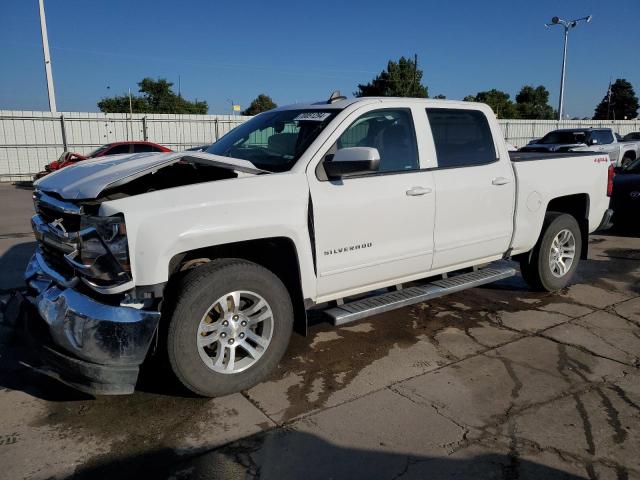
555	257
230	326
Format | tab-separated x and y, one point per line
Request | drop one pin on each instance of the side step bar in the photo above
352	311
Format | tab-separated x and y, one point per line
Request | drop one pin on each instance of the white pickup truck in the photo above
351	206
599	140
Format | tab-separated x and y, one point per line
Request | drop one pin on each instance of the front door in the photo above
374	229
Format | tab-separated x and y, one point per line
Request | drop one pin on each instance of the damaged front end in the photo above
86	336
91	323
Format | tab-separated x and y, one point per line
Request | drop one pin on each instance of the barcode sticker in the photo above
313	116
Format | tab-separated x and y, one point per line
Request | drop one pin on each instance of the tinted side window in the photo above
391	132
142	147
461	137
118	149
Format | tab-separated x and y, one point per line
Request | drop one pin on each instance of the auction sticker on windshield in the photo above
313	116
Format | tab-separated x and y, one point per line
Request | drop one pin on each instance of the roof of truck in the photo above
342	104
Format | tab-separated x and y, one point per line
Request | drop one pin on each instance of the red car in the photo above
115	148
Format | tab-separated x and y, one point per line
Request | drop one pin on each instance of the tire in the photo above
626	160
537	268
197	317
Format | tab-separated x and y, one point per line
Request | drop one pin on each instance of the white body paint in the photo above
469	215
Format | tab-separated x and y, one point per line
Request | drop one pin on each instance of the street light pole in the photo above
47	59
567	26
564	66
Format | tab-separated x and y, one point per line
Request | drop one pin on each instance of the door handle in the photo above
500	181
416	191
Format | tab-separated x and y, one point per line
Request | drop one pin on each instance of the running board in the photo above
352	311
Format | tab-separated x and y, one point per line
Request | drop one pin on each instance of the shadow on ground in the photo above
13	263
290	454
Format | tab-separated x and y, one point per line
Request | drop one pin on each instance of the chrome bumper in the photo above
117	336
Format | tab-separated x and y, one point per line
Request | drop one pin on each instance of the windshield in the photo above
274	141
564	137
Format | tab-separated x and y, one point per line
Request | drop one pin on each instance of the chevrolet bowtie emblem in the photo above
57	224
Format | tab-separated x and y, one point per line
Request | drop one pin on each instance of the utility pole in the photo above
609	100
130	116
415	71
567	26
47	59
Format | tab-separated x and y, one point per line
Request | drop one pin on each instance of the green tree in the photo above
440	97
400	79
619	103
157	97
260	104
533	103
500	102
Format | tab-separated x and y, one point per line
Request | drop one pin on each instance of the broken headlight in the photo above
110	237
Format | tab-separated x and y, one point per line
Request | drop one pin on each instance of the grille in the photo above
55	260
53	244
70	222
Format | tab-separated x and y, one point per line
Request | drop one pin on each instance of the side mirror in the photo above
352	161
593	141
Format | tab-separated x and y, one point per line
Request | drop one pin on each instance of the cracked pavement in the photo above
494	382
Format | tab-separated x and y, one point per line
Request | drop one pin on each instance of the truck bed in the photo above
531	156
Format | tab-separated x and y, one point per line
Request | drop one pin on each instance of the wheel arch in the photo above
576	205
630	154
277	254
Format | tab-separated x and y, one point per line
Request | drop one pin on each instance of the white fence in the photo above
29	140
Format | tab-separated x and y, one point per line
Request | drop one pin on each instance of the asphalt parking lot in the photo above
495	382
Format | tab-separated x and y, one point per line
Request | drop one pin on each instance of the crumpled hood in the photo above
88	178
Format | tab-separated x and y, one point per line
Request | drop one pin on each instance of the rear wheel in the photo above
230	327
554	259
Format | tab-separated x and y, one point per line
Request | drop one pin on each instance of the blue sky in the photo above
299	51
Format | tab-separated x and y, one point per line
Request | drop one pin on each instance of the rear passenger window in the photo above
391	132
461	137
118	149
142	147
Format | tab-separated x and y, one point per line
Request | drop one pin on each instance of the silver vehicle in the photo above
587	139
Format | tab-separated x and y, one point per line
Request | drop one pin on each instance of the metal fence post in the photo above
145	136
215	122
63	129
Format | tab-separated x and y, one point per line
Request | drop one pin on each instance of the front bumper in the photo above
95	347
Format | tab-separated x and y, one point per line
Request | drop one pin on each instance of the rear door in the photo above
475	188
374	229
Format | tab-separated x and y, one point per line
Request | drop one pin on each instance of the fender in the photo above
162	224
